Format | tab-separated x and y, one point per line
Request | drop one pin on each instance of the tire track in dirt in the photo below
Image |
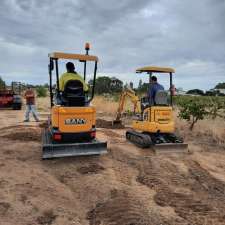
125	209
194	195
112	136
199	206
125	206
21	133
110	189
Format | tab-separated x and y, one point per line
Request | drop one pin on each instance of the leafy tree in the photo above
216	107
41	91
220	86
2	83
212	93
195	108
46	85
102	85
106	84
116	85
131	85
140	84
195	92
192	111
143	88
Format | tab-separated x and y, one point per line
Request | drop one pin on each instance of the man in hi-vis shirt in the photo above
71	74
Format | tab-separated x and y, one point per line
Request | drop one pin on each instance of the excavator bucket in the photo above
58	150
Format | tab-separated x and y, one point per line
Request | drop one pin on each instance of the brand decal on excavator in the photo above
75	121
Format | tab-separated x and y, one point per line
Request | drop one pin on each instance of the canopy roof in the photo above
155	69
61	55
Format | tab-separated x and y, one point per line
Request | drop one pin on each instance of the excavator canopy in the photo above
155	69
61	55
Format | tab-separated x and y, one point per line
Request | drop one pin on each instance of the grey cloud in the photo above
126	34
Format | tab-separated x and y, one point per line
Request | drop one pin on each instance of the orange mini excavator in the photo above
71	128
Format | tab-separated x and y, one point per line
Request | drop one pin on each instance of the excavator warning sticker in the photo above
163	116
75	121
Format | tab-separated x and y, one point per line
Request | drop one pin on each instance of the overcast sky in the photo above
188	35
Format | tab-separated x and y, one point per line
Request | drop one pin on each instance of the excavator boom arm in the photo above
128	93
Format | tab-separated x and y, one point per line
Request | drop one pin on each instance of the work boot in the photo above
26	121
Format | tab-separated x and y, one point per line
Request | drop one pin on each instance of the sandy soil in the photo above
128	186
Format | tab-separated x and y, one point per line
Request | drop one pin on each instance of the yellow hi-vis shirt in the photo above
71	76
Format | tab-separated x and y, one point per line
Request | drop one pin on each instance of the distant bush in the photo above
107	85
192	111
220	86
195	92
195	108
41	91
2	83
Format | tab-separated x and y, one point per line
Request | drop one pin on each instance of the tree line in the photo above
2	83
113	85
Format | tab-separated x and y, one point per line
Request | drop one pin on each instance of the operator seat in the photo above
73	94
161	97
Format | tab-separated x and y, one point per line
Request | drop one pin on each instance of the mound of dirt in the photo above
4	207
127	186
124	209
24	134
111	133
43	124
108	123
93	168
204	201
47	218
15	127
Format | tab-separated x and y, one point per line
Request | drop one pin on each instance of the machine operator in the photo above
154	87
71	74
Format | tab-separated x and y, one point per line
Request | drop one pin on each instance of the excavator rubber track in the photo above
58	150
158	142
139	139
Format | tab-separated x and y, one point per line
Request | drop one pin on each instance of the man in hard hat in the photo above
154	88
71	74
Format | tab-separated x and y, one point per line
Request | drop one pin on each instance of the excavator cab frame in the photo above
153	69
53	62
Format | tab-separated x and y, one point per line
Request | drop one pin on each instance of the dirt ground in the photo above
127	186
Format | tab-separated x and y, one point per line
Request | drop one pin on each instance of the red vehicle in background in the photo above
11	98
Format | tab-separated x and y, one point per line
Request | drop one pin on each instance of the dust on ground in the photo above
127	186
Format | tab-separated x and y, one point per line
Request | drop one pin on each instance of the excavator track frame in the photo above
164	143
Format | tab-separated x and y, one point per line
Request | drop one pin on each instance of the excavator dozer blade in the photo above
58	150
170	148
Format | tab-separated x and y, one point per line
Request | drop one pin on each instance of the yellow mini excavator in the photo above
71	128
153	123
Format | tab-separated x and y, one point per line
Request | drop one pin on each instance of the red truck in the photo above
11	98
